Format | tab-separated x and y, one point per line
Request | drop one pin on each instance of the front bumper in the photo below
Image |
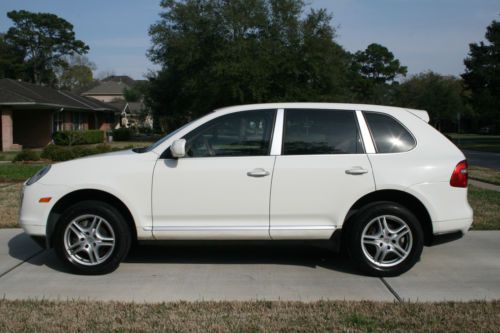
33	215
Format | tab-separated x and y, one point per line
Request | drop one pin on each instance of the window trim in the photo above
397	121
166	153
277	139
363	146
365	133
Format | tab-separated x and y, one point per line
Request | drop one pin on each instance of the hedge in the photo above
122	134
59	153
70	138
27	155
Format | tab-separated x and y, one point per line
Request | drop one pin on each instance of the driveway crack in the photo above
20	263
391	290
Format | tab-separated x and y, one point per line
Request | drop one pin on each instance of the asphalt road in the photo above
483	159
466	269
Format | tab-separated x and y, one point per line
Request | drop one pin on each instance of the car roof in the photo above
330	106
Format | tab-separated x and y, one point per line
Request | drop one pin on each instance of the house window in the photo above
77	121
57	123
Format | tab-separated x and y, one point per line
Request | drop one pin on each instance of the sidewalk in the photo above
483	185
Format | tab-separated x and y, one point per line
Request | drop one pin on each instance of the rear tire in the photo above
385	239
92	237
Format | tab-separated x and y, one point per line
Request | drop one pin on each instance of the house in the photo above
30	114
107	91
133	115
111	90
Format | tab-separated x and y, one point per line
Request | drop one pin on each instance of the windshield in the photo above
159	142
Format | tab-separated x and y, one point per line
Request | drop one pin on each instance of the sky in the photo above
422	34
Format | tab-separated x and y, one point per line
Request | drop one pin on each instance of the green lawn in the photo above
257	316
486	175
486	205
7	155
18	172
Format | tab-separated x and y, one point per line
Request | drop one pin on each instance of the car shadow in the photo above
192	252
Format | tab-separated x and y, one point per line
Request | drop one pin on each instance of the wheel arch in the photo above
401	197
87	194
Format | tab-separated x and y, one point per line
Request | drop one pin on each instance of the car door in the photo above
321	171
221	189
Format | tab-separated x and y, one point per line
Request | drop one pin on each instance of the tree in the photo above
46	39
482	76
215	53
75	73
11	60
377	70
440	95
136	92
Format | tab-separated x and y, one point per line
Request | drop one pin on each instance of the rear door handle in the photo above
356	171
258	172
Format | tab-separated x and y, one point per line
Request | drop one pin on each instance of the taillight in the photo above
459	176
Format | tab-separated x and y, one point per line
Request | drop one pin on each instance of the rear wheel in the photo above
92	237
385	239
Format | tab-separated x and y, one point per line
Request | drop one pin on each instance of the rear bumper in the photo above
450	226
445	238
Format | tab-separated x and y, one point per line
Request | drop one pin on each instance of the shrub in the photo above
58	153
102	148
69	138
122	134
27	155
79	151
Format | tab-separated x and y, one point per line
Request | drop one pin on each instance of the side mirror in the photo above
178	148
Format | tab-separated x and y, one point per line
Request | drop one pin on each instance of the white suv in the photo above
379	180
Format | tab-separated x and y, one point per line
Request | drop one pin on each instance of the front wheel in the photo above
385	239
92	237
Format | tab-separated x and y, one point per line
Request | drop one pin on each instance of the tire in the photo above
385	239
92	237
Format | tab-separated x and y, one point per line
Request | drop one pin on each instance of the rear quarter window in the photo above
388	134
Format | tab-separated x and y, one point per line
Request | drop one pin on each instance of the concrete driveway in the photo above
466	269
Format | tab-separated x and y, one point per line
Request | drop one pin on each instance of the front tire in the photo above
385	239
92	237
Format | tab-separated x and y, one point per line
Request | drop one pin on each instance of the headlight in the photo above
36	177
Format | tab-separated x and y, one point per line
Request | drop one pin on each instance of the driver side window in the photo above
246	133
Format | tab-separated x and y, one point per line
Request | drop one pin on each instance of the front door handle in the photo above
258	172
356	171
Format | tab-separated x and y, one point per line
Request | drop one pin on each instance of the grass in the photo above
18	172
486	175
9	204
489	143
472	136
486	205
260	316
7	155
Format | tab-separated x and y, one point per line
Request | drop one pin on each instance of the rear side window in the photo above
389	135
310	132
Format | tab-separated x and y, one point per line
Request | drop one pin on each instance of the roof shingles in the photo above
18	93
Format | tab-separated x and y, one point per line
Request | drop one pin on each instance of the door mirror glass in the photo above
178	148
